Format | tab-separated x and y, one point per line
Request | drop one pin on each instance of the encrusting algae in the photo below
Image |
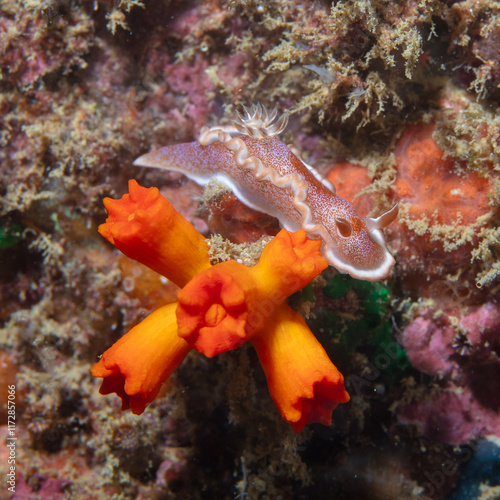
219	308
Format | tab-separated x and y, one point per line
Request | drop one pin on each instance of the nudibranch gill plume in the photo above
267	176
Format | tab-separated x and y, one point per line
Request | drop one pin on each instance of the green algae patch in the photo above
10	234
360	320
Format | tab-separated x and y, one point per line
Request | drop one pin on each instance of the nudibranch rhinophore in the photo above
266	175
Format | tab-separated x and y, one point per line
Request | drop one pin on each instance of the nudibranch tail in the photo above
266	175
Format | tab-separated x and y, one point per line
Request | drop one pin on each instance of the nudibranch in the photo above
266	175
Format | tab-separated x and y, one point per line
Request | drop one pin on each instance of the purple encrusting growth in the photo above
465	359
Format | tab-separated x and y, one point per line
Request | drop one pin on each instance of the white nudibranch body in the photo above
267	176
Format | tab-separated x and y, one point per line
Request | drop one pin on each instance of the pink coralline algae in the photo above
428	345
44	488
186	88
192	85
482	327
32	52
192	80
452	415
467	357
436	347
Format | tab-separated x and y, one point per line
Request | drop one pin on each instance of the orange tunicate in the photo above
229	217
430	183
227	304
441	202
349	180
147	228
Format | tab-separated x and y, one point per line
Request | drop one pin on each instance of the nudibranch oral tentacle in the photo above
266	175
